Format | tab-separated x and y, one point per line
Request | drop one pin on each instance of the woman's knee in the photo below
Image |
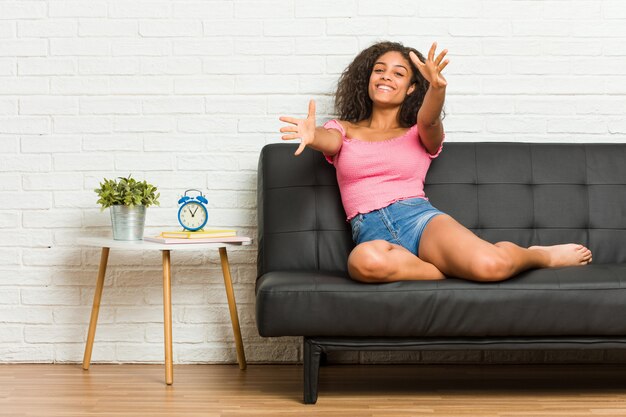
368	261
494	265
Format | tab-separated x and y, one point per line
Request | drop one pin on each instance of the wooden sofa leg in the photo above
312	356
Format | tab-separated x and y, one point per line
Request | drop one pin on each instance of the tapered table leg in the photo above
234	318
97	296
167	317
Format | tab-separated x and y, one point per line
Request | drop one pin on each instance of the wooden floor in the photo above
345	390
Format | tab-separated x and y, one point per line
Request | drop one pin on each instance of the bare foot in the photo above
569	254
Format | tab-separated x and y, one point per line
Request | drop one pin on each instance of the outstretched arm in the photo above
429	123
321	139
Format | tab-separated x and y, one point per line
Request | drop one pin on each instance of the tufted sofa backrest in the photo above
527	193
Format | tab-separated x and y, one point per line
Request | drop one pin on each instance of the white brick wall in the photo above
185	94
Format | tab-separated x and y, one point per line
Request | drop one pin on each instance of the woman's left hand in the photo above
431	69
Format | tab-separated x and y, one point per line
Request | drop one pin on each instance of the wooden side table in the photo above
107	243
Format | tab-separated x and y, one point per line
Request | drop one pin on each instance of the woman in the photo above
390	100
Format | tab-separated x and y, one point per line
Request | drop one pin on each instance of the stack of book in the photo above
201	236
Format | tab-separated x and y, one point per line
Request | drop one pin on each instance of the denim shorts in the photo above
402	223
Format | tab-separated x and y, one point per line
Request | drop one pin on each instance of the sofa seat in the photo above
573	301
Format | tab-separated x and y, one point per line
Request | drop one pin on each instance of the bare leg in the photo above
569	254
458	252
381	261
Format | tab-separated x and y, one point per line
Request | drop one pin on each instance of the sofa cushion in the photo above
574	301
536	193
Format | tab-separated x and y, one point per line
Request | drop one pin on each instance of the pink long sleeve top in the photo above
373	175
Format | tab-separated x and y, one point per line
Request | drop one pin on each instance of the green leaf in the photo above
126	191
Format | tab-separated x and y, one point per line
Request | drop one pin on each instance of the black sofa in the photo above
527	193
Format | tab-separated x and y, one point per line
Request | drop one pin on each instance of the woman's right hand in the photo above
300	128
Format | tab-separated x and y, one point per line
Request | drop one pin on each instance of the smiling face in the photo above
390	80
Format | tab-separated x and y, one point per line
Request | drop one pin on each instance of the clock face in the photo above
192	215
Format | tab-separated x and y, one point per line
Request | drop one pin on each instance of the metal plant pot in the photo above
128	222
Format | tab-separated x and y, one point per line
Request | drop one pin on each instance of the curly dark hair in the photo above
352	101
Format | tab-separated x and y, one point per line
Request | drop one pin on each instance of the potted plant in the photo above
128	199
